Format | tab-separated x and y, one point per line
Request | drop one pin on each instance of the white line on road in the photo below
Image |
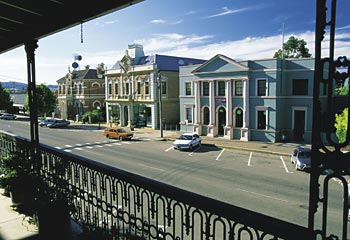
167	150
284	165
58	148
154	168
194	151
262	195
68	146
250	159
218	157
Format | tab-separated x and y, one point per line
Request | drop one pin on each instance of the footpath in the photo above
15	226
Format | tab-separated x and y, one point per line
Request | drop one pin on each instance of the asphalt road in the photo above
260	182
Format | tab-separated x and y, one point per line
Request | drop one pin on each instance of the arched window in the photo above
239	117
206	115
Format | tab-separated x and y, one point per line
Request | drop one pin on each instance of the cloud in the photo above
158	21
227	11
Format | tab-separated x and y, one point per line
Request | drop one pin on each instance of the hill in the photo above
21	87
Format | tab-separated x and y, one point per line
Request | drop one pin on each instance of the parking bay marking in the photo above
218	157
250	159
284	165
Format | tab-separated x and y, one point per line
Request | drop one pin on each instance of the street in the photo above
265	183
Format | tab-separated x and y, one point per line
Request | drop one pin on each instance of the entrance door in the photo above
221	120
299	125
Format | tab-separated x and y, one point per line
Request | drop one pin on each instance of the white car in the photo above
187	141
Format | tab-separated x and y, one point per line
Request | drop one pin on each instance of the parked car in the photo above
187	141
8	116
57	123
118	133
45	122
301	157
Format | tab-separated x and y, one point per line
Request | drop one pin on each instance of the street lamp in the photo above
99	117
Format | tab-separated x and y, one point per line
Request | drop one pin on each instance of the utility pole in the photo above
159	83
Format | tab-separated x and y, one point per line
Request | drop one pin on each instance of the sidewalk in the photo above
15	226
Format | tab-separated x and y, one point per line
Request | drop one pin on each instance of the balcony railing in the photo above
119	204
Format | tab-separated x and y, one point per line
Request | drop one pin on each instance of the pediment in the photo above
219	64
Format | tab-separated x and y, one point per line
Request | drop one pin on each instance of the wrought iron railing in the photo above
327	151
120	205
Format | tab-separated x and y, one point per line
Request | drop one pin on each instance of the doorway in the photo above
299	125
221	120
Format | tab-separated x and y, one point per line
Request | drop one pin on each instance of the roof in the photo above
79	75
164	62
23	20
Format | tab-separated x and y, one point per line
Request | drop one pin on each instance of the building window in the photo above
206	115
127	88
146	87
300	87
221	88
239	118
188	86
189	115
261	119
164	87
109	88
261	87
238	88
138	87
116	88
205	88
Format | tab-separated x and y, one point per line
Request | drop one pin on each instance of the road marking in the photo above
218	157
66	150
58	148
78	149
262	195
89	147
284	165
126	142
68	146
250	159
194	151
109	145
167	150
154	168
116	143
79	144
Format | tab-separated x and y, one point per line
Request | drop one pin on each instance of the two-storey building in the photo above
80	91
262	100
138	84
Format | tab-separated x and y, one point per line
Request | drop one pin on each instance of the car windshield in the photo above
305	154
185	137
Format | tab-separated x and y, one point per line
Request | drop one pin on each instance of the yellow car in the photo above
118	133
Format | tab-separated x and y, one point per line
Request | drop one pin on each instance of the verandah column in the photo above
30	48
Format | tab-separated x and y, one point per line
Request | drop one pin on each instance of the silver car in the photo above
301	157
8	116
58	123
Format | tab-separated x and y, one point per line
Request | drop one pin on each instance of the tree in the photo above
46	100
293	48
341	124
5	99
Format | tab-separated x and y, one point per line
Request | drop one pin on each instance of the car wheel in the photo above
191	147
296	167
107	136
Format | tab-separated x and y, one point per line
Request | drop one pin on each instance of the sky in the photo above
239	29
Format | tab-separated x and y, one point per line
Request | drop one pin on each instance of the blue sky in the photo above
242	30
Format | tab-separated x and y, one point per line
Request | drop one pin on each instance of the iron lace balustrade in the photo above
328	158
117	204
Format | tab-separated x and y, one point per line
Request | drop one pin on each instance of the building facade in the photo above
138	84
80	91
263	100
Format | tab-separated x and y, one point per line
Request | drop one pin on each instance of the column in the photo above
228	95
30	48
245	103
197	117
211	103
